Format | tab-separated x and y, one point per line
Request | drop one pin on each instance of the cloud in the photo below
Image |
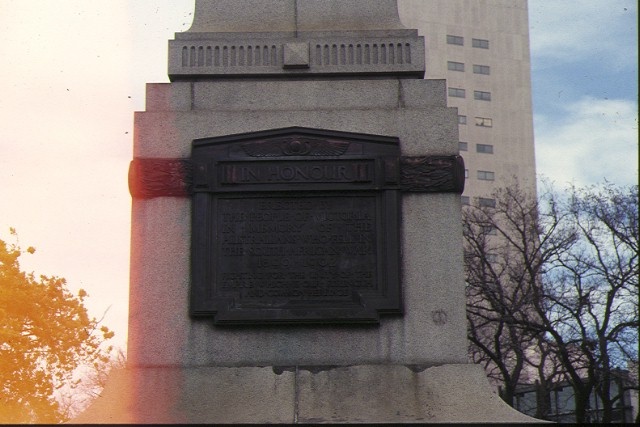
596	140
573	31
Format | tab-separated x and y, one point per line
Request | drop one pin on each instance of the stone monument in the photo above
296	228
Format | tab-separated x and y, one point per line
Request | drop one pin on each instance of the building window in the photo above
484	148
482	44
490	230
481	96
481	69
486	176
456	92
455	40
465	200
484	122
455	66
462	120
488	203
463	146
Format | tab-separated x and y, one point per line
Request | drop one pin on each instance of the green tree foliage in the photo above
45	334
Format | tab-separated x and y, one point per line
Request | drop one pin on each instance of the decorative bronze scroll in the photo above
430	174
149	178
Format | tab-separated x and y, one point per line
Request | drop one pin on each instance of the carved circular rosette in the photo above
296	147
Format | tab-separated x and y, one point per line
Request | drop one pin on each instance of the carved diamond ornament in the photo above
296	55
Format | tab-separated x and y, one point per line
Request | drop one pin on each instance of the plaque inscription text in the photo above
277	249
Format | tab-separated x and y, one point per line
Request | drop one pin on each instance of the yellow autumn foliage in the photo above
45	334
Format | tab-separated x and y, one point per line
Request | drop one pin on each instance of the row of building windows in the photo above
477	94
457	92
488	229
482	175
459	40
480	148
481	69
479	121
482	201
484	148
477	69
486	176
484	122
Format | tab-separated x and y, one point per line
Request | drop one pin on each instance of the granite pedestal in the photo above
253	66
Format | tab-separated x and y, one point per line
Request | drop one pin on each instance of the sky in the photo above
74	71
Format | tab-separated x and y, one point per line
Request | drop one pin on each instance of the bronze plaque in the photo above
296	226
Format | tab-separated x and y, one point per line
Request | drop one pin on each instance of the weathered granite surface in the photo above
251	16
433	327
410	368
457	393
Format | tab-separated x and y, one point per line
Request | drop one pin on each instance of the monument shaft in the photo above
296	227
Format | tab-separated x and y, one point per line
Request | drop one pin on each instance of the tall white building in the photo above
481	47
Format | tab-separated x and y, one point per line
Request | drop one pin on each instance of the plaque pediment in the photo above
275	159
297	141
295	146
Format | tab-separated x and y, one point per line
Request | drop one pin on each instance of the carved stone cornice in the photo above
296	38
304	56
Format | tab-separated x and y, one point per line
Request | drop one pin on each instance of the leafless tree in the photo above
90	382
507	247
593	293
552	288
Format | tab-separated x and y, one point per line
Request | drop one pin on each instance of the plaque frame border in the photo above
366	308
